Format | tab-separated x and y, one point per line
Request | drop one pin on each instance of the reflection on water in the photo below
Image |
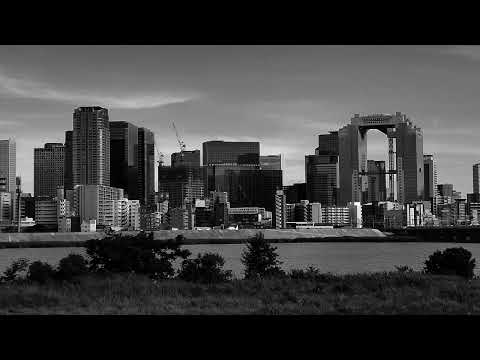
338	258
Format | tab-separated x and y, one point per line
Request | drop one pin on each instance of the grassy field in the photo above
379	293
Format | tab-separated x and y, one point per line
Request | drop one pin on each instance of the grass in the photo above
377	293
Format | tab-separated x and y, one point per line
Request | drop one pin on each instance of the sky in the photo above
281	96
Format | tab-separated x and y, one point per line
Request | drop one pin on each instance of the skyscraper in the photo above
377	184
146	166
405	156
476	178
327	144
231	153
68	167
186	158
271	162
321	175
48	169
124	158
430	181
8	163
91	146
183	184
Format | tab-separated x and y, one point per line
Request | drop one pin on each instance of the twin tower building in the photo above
339	172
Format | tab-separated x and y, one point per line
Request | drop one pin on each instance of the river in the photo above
338	257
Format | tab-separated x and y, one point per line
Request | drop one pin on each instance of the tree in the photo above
260	258
452	261
140	254
71	266
40	272
11	273
206	268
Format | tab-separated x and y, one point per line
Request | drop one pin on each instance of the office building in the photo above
295	193
377	184
124	158
89	225
405	166
46	212
182	184
430	178
6	208
476	178
280	218
68	167
271	162
189	158
314	213
96	202
338	216
146	166
445	190
133	215
355	210
246	217
48	169
8	165
321	175
231	153
327	144
414	213
91	146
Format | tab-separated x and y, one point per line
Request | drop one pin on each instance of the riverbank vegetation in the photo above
134	275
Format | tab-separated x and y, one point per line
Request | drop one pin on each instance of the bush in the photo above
71	266
452	261
18	266
404	269
310	273
139	254
40	272
260	258
206	268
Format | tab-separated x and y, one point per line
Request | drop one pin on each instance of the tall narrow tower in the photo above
91	146
8	164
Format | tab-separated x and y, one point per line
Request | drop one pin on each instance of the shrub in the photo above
71	266
40	272
206	268
452	261
260	258
18	266
310	273
404	269
139	254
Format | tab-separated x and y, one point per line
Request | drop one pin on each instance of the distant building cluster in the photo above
103	178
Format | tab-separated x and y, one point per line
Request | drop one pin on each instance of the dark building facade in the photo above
321	175
377	182
231	153
124	158
91	146
445	189
146	166
48	169
182	184
327	144
186	158
271	162
295	193
68	167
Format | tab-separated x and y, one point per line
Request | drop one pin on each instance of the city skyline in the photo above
246	93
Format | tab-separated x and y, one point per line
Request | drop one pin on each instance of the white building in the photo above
88	226
315	213
134	214
355	209
97	202
336	215
5	208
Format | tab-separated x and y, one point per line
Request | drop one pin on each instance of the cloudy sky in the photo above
282	96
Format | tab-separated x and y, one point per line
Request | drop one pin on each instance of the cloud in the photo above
23	88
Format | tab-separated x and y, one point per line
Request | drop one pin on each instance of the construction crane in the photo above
181	144
159	154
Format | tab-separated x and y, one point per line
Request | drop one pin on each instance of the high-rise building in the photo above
405	156
271	162
96	202
68	167
48	169
182	184
280	219
295	193
91	146
327	144
146	166
124	158
377	184
476	178
190	158
6	202
231	153
445	190
321	175
430	178
8	165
